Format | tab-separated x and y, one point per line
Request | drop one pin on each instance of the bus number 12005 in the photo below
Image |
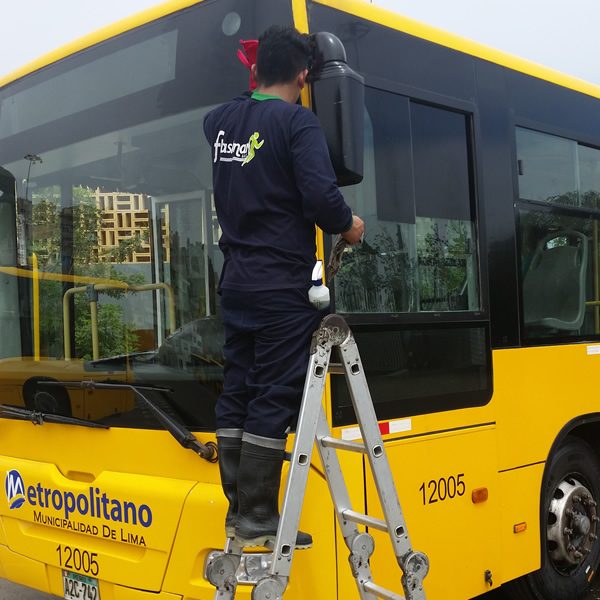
438	490
78	560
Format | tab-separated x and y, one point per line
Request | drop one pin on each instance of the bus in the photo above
474	299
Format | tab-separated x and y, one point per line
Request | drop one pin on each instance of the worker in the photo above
273	181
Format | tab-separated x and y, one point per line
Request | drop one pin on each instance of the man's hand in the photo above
355	233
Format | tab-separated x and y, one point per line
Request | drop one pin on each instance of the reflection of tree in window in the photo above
419	253
115	335
443	256
378	276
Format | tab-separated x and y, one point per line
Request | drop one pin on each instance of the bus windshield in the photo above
109	253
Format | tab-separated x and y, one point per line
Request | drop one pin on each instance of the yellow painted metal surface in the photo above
28	572
144	468
23	570
435	477
519	503
123	525
202	520
427	32
538	391
36	306
300	15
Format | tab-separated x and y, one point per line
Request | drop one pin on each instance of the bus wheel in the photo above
46	398
570	545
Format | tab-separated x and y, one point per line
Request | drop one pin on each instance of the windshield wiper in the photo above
183	435
39	418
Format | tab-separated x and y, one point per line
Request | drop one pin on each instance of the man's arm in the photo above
322	201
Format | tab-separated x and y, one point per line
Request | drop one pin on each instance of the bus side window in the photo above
559	192
420	251
419	259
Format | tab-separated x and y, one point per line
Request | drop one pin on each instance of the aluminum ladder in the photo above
269	573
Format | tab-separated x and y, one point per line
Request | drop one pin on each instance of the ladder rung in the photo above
356	517
336	369
331	442
369	586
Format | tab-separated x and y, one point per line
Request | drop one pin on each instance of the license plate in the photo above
80	587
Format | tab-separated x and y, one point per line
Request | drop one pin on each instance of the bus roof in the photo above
418	29
361	8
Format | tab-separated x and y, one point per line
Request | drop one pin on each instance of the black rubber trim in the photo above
539	462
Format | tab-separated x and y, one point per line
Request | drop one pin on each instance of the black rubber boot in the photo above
259	477
229	442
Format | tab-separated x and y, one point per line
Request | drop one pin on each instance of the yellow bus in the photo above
475	301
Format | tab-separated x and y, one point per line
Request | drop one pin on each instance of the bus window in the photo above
420	250
559	255
547	168
559	188
121	249
419	259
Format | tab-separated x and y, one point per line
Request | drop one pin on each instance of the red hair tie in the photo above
247	57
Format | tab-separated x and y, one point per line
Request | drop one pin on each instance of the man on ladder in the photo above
273	182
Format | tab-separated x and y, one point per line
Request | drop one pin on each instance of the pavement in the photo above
10	591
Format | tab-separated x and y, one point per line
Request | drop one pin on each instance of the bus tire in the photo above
569	527
45	398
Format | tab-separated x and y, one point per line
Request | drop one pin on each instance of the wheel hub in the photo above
572	524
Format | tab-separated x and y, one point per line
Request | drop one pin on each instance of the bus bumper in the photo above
48	579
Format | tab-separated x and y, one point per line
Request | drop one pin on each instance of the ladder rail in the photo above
375	450
341	502
414	565
297	478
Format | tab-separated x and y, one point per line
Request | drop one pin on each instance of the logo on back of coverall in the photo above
236	152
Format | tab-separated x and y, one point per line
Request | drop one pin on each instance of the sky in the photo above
562	34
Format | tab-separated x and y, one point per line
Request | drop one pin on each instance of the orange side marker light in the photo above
479	495
520	528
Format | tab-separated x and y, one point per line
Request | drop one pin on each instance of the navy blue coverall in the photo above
273	181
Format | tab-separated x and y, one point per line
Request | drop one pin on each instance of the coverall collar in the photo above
259	96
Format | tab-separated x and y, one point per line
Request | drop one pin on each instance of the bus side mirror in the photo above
338	100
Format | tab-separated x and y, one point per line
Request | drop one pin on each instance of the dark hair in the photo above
282	53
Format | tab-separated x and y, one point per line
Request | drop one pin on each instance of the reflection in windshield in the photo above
105	230
108	233
116	273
